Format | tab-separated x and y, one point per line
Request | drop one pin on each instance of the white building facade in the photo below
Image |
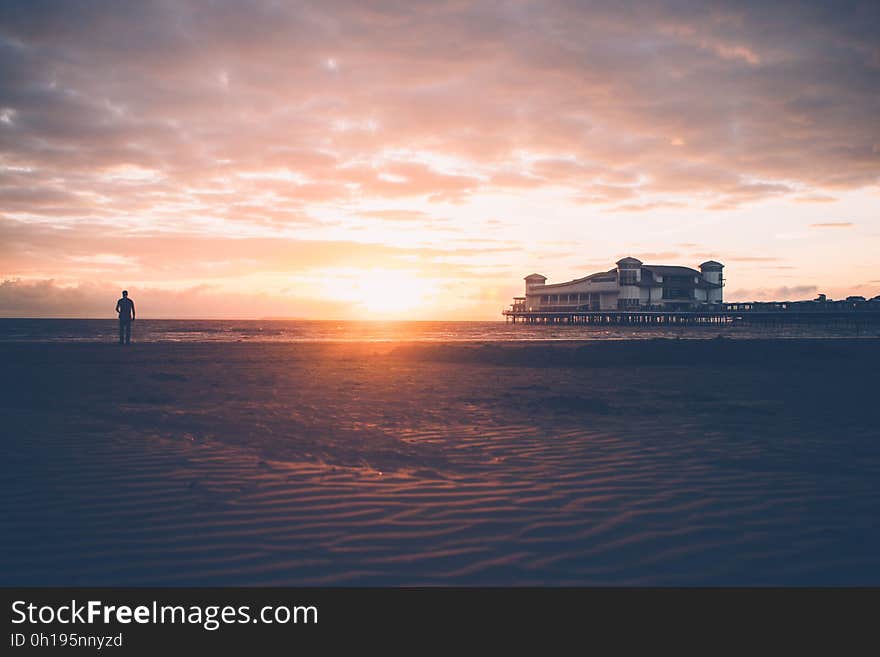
631	285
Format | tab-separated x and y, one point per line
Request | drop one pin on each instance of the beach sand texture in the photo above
625	463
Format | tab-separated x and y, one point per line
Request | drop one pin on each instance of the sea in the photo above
275	330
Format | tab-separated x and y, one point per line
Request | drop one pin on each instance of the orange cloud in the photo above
156	132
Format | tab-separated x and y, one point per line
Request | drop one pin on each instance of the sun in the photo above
392	293
383	293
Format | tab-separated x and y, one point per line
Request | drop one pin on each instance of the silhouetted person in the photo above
125	308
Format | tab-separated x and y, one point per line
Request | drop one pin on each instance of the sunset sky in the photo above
416	160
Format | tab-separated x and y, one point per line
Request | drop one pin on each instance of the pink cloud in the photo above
201	121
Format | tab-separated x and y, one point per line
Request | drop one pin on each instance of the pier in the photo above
854	315
638	294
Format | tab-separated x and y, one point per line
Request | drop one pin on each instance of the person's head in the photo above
125	293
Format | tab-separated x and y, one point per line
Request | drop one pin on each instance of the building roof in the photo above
674	270
660	270
712	265
611	272
629	260
671	270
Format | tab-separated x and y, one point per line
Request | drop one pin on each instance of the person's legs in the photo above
121	332
128	333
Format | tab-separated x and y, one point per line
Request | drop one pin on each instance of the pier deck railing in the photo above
863	313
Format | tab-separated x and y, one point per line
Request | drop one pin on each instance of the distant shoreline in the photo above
194	319
145	330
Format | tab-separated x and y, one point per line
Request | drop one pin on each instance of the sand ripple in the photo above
477	494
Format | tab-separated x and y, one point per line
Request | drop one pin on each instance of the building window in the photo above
677	293
628	277
627	304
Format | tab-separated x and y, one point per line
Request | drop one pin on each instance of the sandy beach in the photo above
659	462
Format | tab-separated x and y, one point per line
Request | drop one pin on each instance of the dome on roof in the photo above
629	262
711	265
535	277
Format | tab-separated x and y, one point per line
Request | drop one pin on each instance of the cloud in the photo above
193	91
38	250
392	214
137	139
815	198
646	256
714	255
784	293
752	258
833	224
47	298
647	206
